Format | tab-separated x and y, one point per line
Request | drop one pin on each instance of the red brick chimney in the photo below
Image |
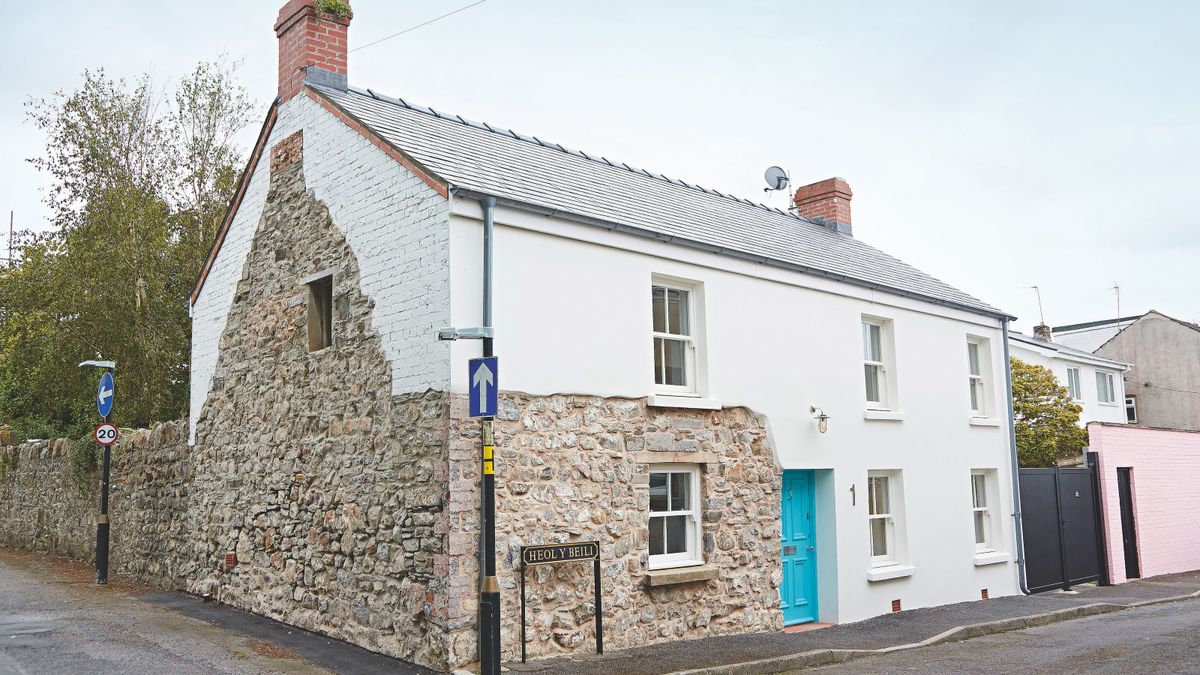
309	38
826	203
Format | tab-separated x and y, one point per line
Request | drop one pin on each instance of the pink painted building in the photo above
1149	500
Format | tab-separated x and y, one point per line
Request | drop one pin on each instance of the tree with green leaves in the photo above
1047	420
139	180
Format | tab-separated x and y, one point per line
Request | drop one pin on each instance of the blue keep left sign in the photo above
104	394
483	381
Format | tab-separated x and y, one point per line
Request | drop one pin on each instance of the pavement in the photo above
779	652
55	619
1146	640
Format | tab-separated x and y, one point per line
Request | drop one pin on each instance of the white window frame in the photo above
883	366
694	555
888	517
982	378
981	481
1075	384
1131	404
690	352
1108	388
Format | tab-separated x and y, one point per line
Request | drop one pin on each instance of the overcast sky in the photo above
993	145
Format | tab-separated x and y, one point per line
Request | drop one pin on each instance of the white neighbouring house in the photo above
1096	383
774	419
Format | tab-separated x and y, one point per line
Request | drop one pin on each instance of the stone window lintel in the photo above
657	457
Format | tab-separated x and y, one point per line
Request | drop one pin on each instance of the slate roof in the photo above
477	158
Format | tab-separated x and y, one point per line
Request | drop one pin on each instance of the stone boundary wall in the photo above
46	505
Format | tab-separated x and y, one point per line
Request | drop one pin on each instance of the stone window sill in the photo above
680	575
693	402
890	572
991	558
985	422
886	415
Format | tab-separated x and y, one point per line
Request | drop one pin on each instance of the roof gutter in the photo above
1014	463
734	253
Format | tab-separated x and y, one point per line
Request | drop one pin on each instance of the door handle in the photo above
808	548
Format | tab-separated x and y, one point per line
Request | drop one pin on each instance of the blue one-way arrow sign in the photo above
483	380
104	394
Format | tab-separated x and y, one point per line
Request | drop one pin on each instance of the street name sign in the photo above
560	553
551	554
106	433
104	394
483	381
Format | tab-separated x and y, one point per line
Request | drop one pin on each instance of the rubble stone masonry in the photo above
576	468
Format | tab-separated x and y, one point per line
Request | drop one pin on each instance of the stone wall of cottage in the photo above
576	468
327	487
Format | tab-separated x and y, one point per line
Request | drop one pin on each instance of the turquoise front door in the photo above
798	594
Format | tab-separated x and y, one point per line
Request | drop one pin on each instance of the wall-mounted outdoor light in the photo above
821	418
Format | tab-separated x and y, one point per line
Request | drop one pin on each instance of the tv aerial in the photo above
777	179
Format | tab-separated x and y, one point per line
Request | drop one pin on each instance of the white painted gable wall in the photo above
394	222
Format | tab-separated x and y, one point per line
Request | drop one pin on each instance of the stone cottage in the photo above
762	419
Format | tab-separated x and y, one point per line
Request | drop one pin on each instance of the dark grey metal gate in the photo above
1060	517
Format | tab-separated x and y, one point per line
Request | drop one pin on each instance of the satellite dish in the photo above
777	179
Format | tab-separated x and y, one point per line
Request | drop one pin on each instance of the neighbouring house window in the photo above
674	338
674	516
882	522
981	512
976	380
1073	386
875	336
1104	388
320	313
1131	409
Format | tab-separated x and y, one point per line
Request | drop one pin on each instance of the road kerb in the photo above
824	657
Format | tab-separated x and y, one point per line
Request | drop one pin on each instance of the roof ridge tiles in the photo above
556	146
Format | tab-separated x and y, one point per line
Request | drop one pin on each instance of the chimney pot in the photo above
310	40
1042	332
827	203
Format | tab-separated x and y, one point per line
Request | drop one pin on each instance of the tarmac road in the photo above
54	619
1153	639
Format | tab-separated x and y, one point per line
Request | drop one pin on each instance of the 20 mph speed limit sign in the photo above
106	433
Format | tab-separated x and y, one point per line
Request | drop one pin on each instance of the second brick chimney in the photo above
310	39
826	203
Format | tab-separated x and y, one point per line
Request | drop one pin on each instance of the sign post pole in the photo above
489	595
599	608
522	611
105	394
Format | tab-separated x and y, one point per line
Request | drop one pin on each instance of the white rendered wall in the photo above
575	317
395	224
1057	363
